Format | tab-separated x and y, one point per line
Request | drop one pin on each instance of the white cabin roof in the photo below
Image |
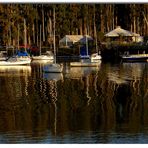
75	38
120	32
71	38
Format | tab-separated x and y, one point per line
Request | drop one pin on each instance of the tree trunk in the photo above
25	35
113	22
102	20
43	23
33	33
18	36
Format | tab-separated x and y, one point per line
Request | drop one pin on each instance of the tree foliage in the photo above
70	19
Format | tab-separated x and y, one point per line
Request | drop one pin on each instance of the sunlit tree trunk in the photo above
43	23
33	33
102	19
25	35
18	37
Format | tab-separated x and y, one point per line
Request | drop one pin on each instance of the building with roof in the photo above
69	40
126	35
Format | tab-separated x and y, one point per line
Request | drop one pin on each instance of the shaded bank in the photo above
113	52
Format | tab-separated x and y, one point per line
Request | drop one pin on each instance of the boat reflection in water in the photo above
86	77
125	73
41	62
127	82
79	72
15	70
53	76
133	70
50	80
86	63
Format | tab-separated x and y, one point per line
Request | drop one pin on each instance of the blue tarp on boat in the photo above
83	51
22	53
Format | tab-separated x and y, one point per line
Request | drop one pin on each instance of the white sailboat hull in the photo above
43	57
15	61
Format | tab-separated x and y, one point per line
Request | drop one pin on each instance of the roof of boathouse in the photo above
75	38
71	38
118	31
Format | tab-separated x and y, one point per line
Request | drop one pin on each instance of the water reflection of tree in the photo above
48	96
14	99
114	106
126	99
55	109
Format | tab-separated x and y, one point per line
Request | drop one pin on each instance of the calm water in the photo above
108	104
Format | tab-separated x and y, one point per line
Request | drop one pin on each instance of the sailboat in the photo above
47	56
85	59
95	56
21	58
22	55
53	67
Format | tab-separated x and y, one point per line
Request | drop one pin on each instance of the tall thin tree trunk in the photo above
113	22
145	20
50	24
80	28
95	31
25	35
102	20
10	36
94	21
54	40
33	33
40	39
36	27
18	37
29	39
134	23
43	23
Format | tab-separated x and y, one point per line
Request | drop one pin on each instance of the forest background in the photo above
71	19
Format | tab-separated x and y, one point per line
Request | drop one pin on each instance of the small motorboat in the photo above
135	58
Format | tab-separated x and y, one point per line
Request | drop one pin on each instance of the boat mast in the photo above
54	35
